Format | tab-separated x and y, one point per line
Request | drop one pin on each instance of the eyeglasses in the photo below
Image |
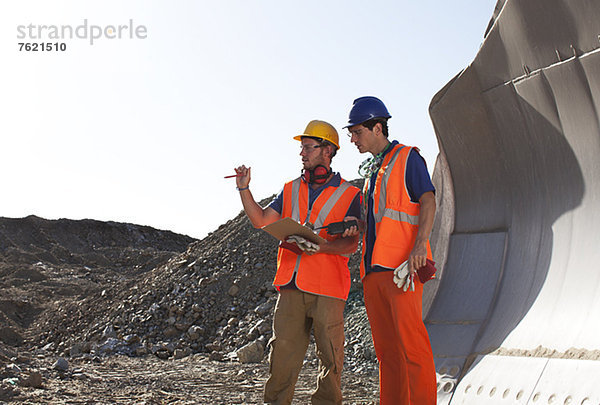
309	148
357	132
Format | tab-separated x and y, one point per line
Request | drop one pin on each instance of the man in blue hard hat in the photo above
399	208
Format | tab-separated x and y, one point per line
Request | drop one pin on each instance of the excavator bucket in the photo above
514	313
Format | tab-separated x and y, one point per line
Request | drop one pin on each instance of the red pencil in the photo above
233	175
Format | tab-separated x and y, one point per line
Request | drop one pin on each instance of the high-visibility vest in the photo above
396	216
322	274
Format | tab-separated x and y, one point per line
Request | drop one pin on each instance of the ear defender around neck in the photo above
317	175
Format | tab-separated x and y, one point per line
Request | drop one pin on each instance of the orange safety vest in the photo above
321	274
396	216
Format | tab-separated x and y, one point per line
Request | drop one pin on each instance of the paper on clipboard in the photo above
287	226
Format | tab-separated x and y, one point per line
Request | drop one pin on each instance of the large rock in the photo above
264	309
170	332
194	332
263	326
253	352
181	353
61	364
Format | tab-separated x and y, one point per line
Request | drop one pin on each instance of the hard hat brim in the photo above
361	120
299	138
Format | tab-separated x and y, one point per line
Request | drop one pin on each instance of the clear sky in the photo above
143	129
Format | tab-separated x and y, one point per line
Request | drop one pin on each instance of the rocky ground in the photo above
96	312
195	379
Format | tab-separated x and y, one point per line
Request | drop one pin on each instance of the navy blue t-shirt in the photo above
418	183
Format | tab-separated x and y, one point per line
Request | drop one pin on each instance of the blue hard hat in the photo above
366	108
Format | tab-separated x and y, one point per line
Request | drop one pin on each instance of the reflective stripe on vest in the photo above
389	212
295	193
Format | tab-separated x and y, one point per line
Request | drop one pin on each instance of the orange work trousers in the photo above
406	369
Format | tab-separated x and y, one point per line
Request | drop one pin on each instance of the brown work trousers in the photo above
296	313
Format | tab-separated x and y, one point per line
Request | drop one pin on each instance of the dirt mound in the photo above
84	242
45	265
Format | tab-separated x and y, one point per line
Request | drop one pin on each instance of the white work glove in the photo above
304	244
402	277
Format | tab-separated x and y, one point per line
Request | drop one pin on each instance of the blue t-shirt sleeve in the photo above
354	209
277	203
418	181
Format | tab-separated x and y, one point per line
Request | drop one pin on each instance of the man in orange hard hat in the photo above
313	280
399	203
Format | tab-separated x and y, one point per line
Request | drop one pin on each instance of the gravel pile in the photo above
96	289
